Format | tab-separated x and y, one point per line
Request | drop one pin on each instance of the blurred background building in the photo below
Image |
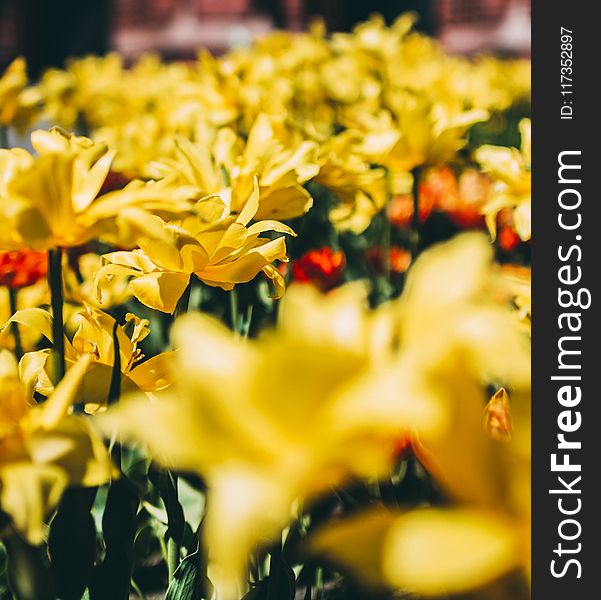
48	31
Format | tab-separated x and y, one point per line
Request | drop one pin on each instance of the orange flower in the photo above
398	259
439	188
20	268
400	210
508	238
461	200
474	190
323	268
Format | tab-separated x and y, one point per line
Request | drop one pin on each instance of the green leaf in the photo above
28	576
112	578
259	592
168	490
282	581
72	543
186	579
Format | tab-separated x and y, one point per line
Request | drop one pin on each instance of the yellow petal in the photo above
155	373
356	544
36	318
40	321
160	291
245	268
285	203
87	182
64	395
28	492
246	510
251	205
439	552
277	279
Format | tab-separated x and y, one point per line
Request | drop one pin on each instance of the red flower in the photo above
323	268
461	200
439	189
398	259
400	210
21	268
508	238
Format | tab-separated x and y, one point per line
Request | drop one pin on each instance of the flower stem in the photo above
416	223
234	313
173	551
387	229
274	583
12	298
319	584
3	136
115	390
175	519
55	281
174	541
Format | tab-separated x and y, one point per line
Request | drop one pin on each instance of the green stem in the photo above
175	520
3	136
12	298
234	309
136	588
55	281
115	386
416	224
386	234
319	584
245	327
173	552
274	583
115	390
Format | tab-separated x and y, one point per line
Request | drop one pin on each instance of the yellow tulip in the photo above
79	287
455	336
94	336
357	394
33	296
44	448
12	84
509	169
280	164
416	131
360	190
219	251
51	200
225	418
518	283
374	39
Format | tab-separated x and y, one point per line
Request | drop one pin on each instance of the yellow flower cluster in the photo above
322	398
399	99
190	184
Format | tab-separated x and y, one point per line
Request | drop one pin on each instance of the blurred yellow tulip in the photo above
44	448
455	337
